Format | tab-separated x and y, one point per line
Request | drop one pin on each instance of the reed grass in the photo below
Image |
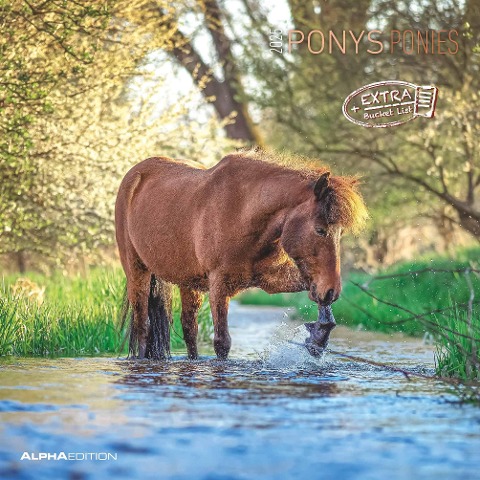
78	316
457	349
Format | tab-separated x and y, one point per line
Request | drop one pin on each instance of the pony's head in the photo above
312	232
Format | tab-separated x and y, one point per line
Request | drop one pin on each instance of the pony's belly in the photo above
183	277
199	282
194	282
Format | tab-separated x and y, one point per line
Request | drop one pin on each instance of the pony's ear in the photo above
321	186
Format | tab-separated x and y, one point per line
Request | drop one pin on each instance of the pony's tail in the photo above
160	320
160	316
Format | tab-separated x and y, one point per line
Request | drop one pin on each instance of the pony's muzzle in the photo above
330	296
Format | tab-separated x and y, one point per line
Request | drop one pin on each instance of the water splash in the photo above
285	351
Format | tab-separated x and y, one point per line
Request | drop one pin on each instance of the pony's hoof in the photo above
222	353
222	348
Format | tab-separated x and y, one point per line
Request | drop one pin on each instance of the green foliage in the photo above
409	295
41	45
79	106
79	316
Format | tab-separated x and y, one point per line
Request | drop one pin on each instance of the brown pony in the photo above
246	222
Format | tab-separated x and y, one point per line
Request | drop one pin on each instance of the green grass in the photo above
417	293
79	316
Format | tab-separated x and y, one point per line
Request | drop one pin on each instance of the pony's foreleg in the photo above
138	290
191	303
219	301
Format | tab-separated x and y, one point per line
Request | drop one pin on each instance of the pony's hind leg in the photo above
191	303
138	289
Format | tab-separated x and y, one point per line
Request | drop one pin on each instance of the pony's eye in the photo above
321	231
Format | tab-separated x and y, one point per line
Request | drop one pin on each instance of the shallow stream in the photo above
270	412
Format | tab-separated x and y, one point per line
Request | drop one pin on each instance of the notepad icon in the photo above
425	100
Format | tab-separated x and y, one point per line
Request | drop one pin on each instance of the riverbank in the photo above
61	315
383	301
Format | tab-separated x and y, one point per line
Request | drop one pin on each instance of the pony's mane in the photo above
307	167
347	206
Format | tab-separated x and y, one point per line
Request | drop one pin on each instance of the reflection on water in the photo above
270	412
239	381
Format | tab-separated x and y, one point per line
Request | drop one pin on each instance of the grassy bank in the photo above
69	316
364	297
426	295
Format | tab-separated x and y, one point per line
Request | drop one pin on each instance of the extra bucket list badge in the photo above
389	103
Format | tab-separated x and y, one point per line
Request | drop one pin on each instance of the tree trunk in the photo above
469	223
21	261
227	96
